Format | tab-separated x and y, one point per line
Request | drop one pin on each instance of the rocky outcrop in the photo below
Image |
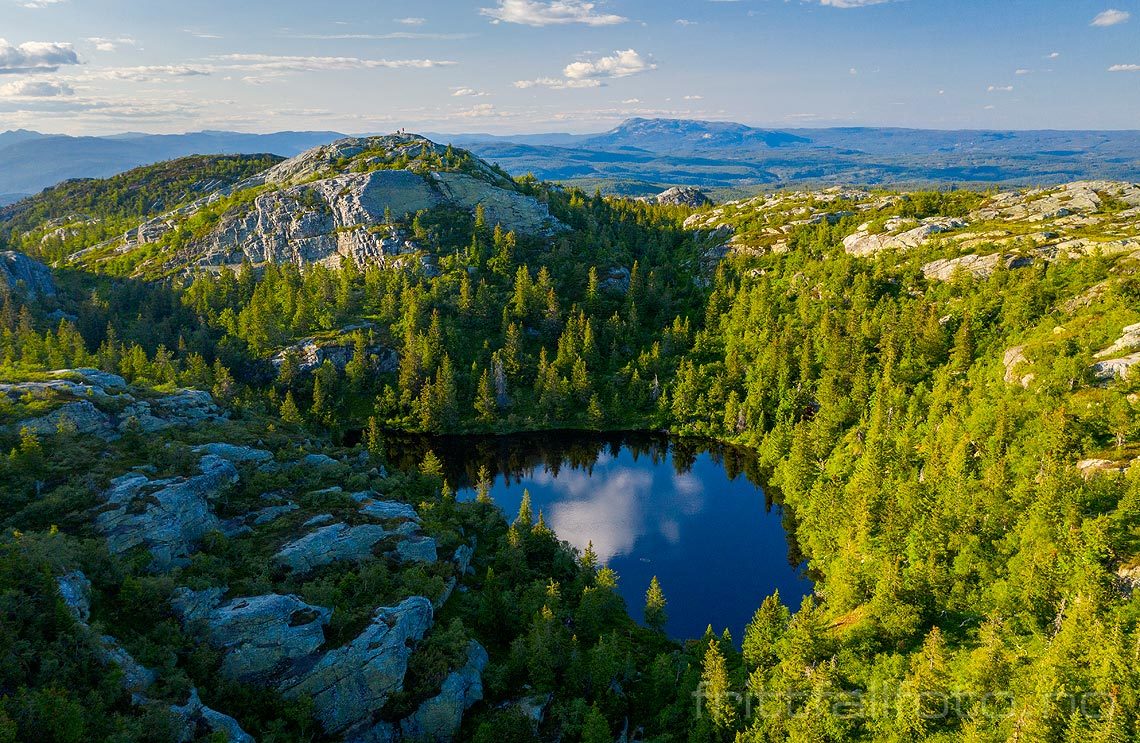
310	353
349	684
328	544
438	719
234	453
320	213
977	266
864	244
1111	369
18	272
385	510
97	403
266	638
689	196
1129	339
275	640
1014	361
169	517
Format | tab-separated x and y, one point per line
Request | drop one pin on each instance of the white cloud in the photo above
282	63
1023	71
110	45
1000	89
1111	17
685	22
557	83
35	89
632	100
1055	55
1124	68
35	56
467	93
555	12
412	21
147	73
853	71
36	4
694	98
478	111
619	64
200	34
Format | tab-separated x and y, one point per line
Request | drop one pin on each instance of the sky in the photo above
511	66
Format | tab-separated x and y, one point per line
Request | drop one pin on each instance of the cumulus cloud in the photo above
685	22
35	56
35	89
1000	89
36	4
1111	17
412	21
694	98
147	73
1124	68
467	93
1055	55
619	64
478	111
1022	71
555	12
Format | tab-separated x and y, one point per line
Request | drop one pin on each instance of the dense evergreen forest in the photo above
969	574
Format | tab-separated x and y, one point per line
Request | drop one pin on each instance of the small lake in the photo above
689	512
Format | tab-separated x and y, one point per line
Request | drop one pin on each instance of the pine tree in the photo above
526	515
485	404
595	729
290	413
589	559
715	687
483	485
764	631
431	466
373	439
655	615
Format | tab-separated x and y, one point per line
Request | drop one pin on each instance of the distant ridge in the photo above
644	156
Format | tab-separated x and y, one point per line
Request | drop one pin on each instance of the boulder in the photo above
417	549
169	517
75	590
864	244
265	637
977	266
82	415
1014	361
349	684
1112	369
18	272
334	543
1129	339
689	196
384	509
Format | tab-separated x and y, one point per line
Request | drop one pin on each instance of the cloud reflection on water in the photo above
616	505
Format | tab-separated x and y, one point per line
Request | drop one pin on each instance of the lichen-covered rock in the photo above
264	636
417	549
169	517
384	509
334	543
75	590
182	408
80	416
19	272
1111	369
349	684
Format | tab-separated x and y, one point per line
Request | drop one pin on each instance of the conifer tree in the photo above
715	687
655	602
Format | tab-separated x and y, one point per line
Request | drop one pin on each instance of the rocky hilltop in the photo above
350	201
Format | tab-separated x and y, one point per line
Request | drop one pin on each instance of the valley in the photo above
227	510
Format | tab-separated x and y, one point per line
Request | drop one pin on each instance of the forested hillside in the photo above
938	385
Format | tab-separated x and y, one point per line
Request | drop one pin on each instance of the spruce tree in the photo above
655	615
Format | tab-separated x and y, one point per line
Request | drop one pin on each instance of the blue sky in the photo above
100	66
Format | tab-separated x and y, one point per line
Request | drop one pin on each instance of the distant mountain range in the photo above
644	156
30	161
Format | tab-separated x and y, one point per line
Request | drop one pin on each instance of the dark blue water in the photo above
683	511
